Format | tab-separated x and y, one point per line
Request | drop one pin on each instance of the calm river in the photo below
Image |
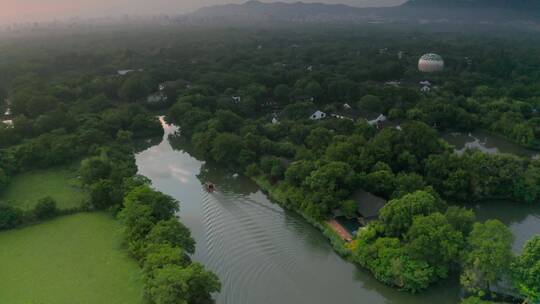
262	253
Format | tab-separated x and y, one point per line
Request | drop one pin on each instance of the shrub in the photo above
45	208
104	194
349	208
9	217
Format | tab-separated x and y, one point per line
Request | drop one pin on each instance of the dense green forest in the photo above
243	99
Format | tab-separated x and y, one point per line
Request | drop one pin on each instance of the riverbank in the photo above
276	196
338	242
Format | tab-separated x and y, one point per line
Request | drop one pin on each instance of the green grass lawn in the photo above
74	259
60	183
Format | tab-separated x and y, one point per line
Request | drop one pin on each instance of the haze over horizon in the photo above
46	10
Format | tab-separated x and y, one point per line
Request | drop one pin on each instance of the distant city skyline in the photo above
46	10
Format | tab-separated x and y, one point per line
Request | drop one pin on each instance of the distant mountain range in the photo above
440	11
477	4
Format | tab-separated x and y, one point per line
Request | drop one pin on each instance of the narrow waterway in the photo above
262	253
6	117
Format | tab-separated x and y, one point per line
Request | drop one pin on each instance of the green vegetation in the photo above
71	105
26	189
77	258
489	256
162	244
526	270
64	112
315	166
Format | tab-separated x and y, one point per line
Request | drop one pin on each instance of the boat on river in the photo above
210	187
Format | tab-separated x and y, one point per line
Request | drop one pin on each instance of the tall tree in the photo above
488	256
526	271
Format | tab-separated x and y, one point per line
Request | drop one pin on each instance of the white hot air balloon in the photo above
430	63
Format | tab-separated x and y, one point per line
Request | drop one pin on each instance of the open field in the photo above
72	259
61	183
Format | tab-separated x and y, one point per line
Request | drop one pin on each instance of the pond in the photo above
522	219
262	253
486	142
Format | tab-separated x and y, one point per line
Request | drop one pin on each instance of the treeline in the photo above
488	83
162	245
22	151
59	148
388	163
45	209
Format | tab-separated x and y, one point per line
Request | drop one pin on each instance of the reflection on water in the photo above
262	253
488	143
522	219
6	117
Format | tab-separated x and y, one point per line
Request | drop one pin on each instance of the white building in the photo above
317	115
236	99
425	89
275	121
380	119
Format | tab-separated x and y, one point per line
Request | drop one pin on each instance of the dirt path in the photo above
342	232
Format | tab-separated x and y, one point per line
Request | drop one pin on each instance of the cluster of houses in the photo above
378	120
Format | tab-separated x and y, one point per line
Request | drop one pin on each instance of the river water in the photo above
262	253
6	117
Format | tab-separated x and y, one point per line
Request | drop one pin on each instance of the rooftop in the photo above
368	205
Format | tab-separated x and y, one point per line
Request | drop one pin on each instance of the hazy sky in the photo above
39	10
